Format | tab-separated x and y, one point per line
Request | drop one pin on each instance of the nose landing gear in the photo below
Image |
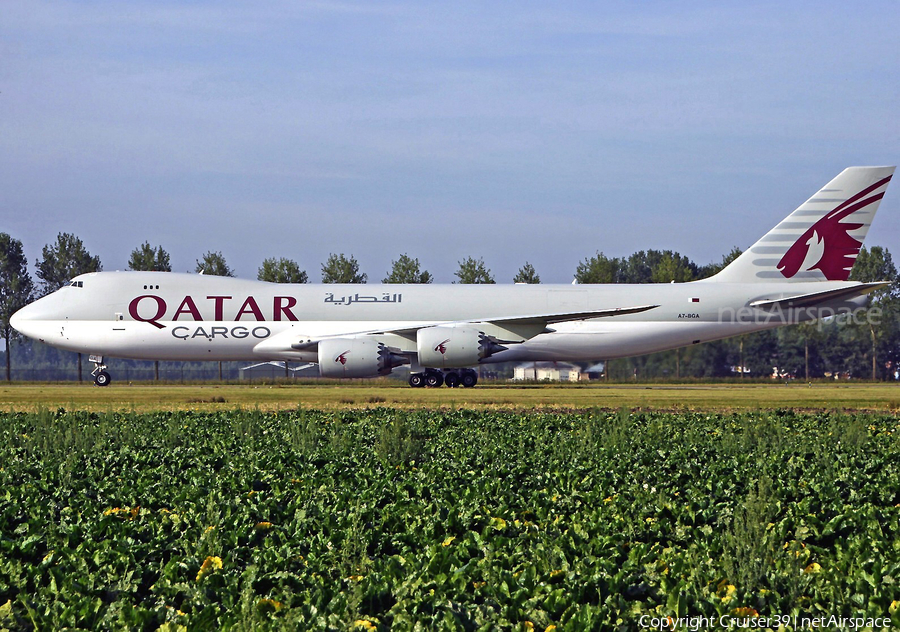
101	376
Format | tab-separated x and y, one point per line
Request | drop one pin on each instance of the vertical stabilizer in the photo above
820	240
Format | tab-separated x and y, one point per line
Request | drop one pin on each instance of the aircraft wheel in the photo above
434	379
451	379
469	379
416	380
102	379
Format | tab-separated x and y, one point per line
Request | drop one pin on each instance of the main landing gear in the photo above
435	378
101	377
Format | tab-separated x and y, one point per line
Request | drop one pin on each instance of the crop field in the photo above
449	519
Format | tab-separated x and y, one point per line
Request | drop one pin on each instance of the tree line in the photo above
825	348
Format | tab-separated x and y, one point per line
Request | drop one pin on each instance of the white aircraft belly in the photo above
587	341
583	340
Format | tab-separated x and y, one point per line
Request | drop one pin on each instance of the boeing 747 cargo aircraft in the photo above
797	271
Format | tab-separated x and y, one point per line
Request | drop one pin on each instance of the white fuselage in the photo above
170	316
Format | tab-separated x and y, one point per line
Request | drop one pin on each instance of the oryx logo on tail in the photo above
827	245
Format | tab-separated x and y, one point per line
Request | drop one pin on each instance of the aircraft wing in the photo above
816	298
536	323
565	317
541	320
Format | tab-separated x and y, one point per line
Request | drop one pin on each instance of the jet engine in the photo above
357	357
447	347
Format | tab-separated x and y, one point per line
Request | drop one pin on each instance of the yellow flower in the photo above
269	603
355	578
745	612
477	585
210	564
128	513
894	607
812	569
365	625
263	526
550	628
528	625
555	573
726	591
208	529
498	523
448	541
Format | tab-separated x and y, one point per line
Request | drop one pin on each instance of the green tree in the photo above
527	274
406	270
62	261
798	350
883	325
714	268
472	271
213	264
146	257
655	266
876	264
16	288
281	270
670	266
598	269
340	269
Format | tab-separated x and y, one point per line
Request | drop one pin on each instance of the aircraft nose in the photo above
17	319
25	321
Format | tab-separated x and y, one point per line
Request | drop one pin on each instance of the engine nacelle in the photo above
357	357
449	347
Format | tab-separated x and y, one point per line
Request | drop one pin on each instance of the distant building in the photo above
595	371
548	371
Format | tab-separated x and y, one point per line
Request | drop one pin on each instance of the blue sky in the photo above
511	131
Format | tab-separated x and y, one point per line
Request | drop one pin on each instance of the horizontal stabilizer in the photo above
817	298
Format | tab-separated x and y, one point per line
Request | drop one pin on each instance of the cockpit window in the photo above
76	283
